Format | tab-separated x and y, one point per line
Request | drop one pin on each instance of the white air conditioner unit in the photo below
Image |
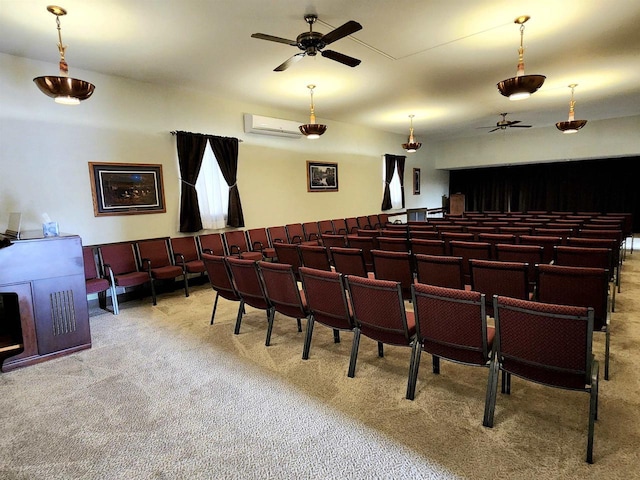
271	126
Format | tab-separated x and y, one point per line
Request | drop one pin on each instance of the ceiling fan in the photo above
504	124
313	42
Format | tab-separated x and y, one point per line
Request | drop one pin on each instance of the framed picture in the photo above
126	188
416	181
322	177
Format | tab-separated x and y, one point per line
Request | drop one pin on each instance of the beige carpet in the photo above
164	395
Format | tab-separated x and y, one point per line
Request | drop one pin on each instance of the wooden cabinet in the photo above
45	277
456	204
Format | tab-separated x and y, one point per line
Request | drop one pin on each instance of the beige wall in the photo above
45	149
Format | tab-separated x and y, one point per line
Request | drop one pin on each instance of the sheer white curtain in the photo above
213	192
394	187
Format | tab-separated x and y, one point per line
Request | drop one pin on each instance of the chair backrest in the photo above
378	310
340	226
155	250
610	243
452	323
220	276
582	256
185	247
581	286
288	253
277	234
333	240
493	277
515	230
394	232
311	231
449	237
394	244
478	229
258	239
349	261
212	243
495	238
544	342
469	250
295	233
547	243
363	222
281	287
326	297
236	241
383	218
326	227
440	270
423	246
374	221
248	283
315	256
425	234
366	244
553	231
90	266
368	232
394	266
120	257
531	254
352	225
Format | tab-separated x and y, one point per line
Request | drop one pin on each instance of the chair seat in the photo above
252	255
163	273
96	285
131	279
195	266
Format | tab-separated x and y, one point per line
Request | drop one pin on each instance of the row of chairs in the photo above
545	342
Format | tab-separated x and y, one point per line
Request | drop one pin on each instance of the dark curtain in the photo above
226	151
389	167
190	148
603	185
400	164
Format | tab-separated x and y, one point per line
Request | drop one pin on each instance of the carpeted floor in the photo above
164	395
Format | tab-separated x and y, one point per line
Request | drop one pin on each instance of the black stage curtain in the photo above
604	185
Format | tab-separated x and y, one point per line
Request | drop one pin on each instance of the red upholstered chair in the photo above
352	225
549	344
547	243
616	257
394	266
315	256
349	261
440	270
531	254
92	279
581	286
394	244
289	253
326	227
155	258
281	288
277	234
469	250
185	253
259	242
493	277
424	246
449	237
212	243
295	234
250	288
379	314
340	226
220	279
384	219
311	232
374	221
394	233
120	265
451	324
238	245
366	244
495	238
333	240
363	223
327	302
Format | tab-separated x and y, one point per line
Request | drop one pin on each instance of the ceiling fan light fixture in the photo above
63	89
572	125
411	146
312	130
521	86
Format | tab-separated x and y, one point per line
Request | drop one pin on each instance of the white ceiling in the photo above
437	59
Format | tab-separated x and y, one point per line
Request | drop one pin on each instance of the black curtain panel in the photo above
389	167
190	148
602	185
400	163
226	151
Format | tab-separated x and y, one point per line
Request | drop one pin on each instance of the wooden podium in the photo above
44	310
456	204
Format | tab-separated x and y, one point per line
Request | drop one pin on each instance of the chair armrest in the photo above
146	263
257	247
180	258
237	250
296	239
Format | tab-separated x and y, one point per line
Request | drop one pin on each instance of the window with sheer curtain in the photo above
394	186
213	192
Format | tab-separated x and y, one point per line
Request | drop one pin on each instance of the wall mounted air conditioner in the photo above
271	126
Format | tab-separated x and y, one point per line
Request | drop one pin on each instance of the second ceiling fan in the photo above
313	42
504	124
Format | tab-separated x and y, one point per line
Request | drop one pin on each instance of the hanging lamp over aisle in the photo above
63	89
411	146
312	130
572	125
521	86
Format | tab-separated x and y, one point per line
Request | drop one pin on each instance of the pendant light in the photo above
572	125
312	130
521	86
63	89
411	146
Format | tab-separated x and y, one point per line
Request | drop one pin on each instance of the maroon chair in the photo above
295	234
238	245
154	256
92	279
120	265
340	226
393	244
546	242
212	243
326	227
250	288
548	344
396	267
366	244
185	253
374	222
259	242
311	232
281	288
326	297
493	277
363	223
530	254
440	270
352	225
423	246
451	324
220	280
289	254
315	256
610	243
277	234
333	240
469	250
449	237
379	314
349	261
495	238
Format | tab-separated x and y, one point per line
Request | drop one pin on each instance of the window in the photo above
394	187
213	192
